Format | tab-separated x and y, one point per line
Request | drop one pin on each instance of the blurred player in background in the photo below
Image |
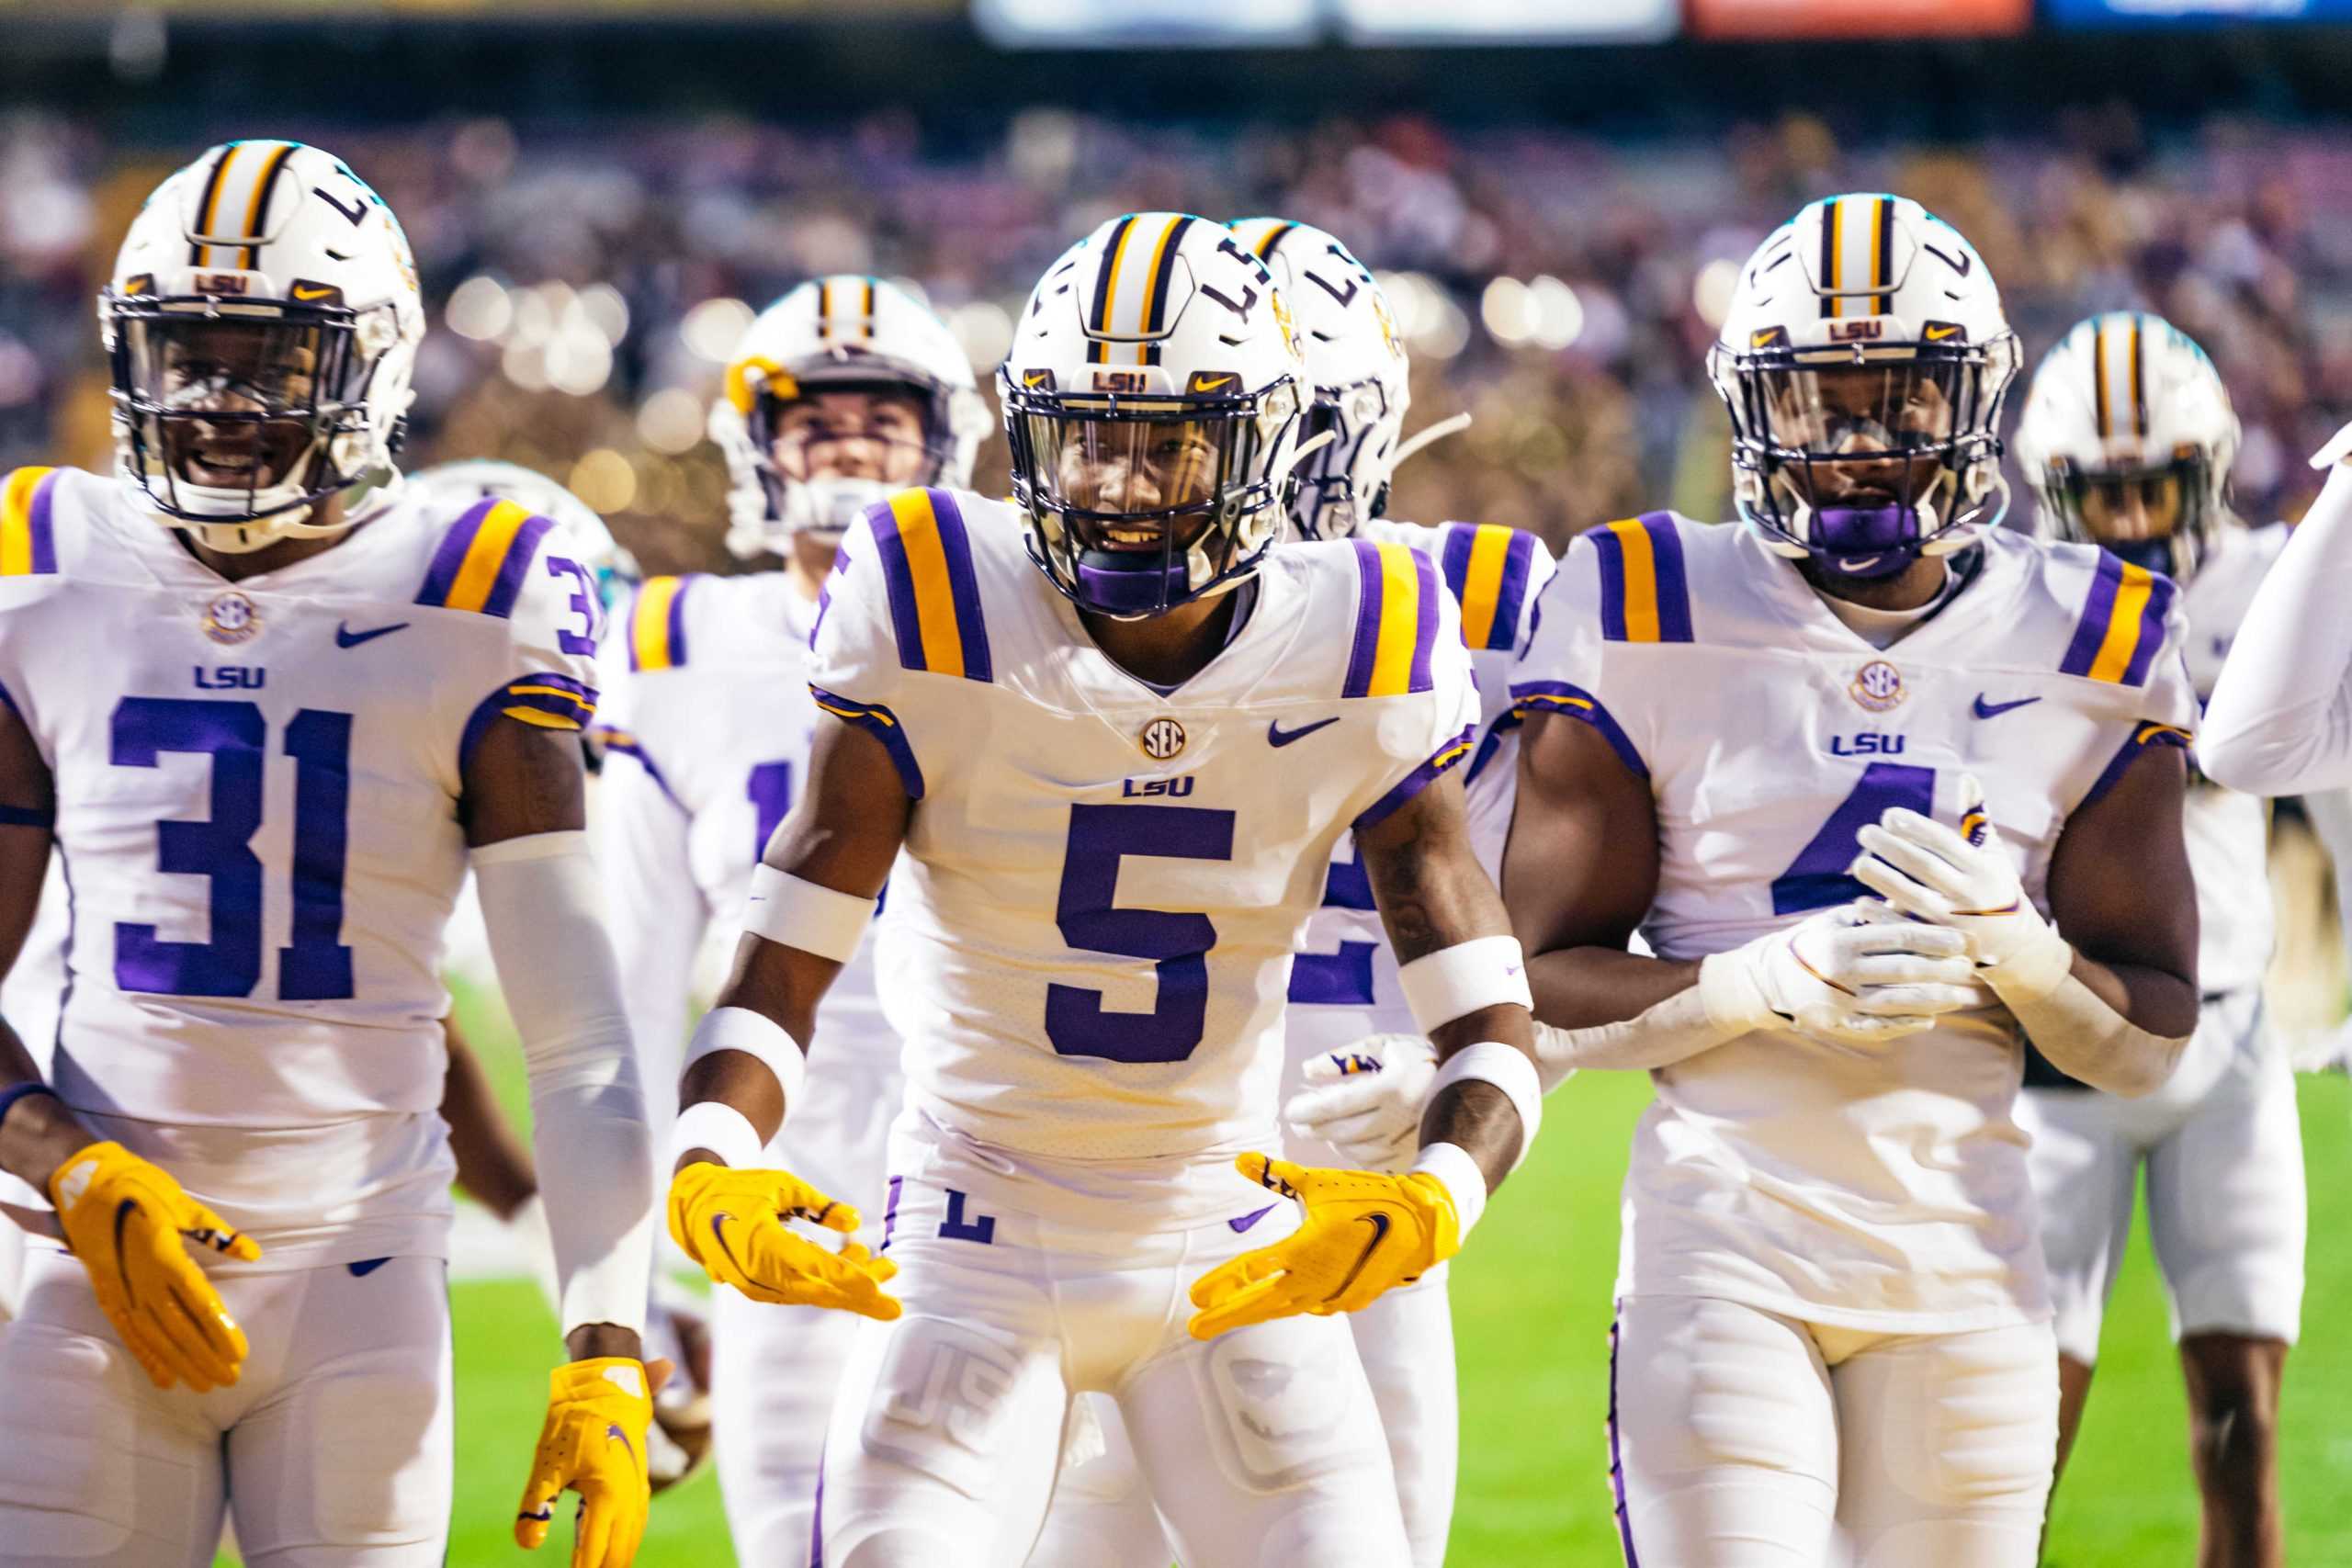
1067	708
2128	436
843	391
268	736
1832	1331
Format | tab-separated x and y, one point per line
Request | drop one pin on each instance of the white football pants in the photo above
1739	1438
2227	1202
1261	1449
332	1450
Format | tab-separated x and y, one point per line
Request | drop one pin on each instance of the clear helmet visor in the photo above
229	404
2132	508
833	450
1871	435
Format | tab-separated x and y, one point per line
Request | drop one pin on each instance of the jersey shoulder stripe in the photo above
2122	623
657	623
1488	569
1564	697
542	699
624	743
926	560
1645	589
482	561
883	725
1396	620
28	536
2143	737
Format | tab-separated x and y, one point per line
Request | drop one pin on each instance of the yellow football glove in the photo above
1363	1232
129	1223
592	1442
731	1221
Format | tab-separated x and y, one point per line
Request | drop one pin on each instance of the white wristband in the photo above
1459	1174
1510	1070
757	1036
717	1126
1454	982
801	914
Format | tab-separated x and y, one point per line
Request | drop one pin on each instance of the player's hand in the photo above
1853	975
1363	1232
1366	1101
592	1442
1963	879
131	1225
732	1223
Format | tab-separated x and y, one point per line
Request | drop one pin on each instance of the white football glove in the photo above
1855	975
1963	879
1366	1101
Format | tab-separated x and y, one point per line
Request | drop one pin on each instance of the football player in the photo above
2128	437
269	710
1068	709
1762	745
1343	985
841	392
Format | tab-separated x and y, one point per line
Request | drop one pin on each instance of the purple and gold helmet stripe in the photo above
257	206
1645	595
1829	280
657	624
480	563
1445	758
27	540
1106	285
926	559
1155	294
2099	377
240	185
1273	239
884	726
2139	384
1532	697
1486	567
2122	623
1396	617
1882	254
2143	737
199	254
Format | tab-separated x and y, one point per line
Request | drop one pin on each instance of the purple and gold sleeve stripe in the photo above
657	624
1396	620
926	559
1644	593
623	743
482	558
2143	737
542	700
884	726
1447	757
28	538
1532	697
1486	567
2123	624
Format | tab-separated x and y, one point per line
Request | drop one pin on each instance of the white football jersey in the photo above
257	790
706	722
1103	884
1343	986
1882	1190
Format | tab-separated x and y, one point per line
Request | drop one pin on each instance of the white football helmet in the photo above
1864	358
2128	436
460	484
842	334
262	322
1153	398
1356	363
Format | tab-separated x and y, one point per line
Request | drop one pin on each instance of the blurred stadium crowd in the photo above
586	283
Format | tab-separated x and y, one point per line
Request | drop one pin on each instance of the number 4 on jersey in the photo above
1817	878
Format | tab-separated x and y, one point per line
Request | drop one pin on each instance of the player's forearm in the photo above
2280	719
1601	1009
2118	1027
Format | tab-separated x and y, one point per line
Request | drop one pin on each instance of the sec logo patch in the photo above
1162	738
231	618
1878	686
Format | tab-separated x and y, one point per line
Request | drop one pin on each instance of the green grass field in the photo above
1531	1310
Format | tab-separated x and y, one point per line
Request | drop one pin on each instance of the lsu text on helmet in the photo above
262	320
1356	365
838	334
1864	359
2128	437
1153	398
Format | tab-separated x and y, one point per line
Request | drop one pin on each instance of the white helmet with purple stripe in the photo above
1864	359
1154	400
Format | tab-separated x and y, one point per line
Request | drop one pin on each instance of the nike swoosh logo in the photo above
1995	710
1211	383
1036	377
1937	334
345	638
1246	1220
612	1434
1277	735
1379	1223
302	293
